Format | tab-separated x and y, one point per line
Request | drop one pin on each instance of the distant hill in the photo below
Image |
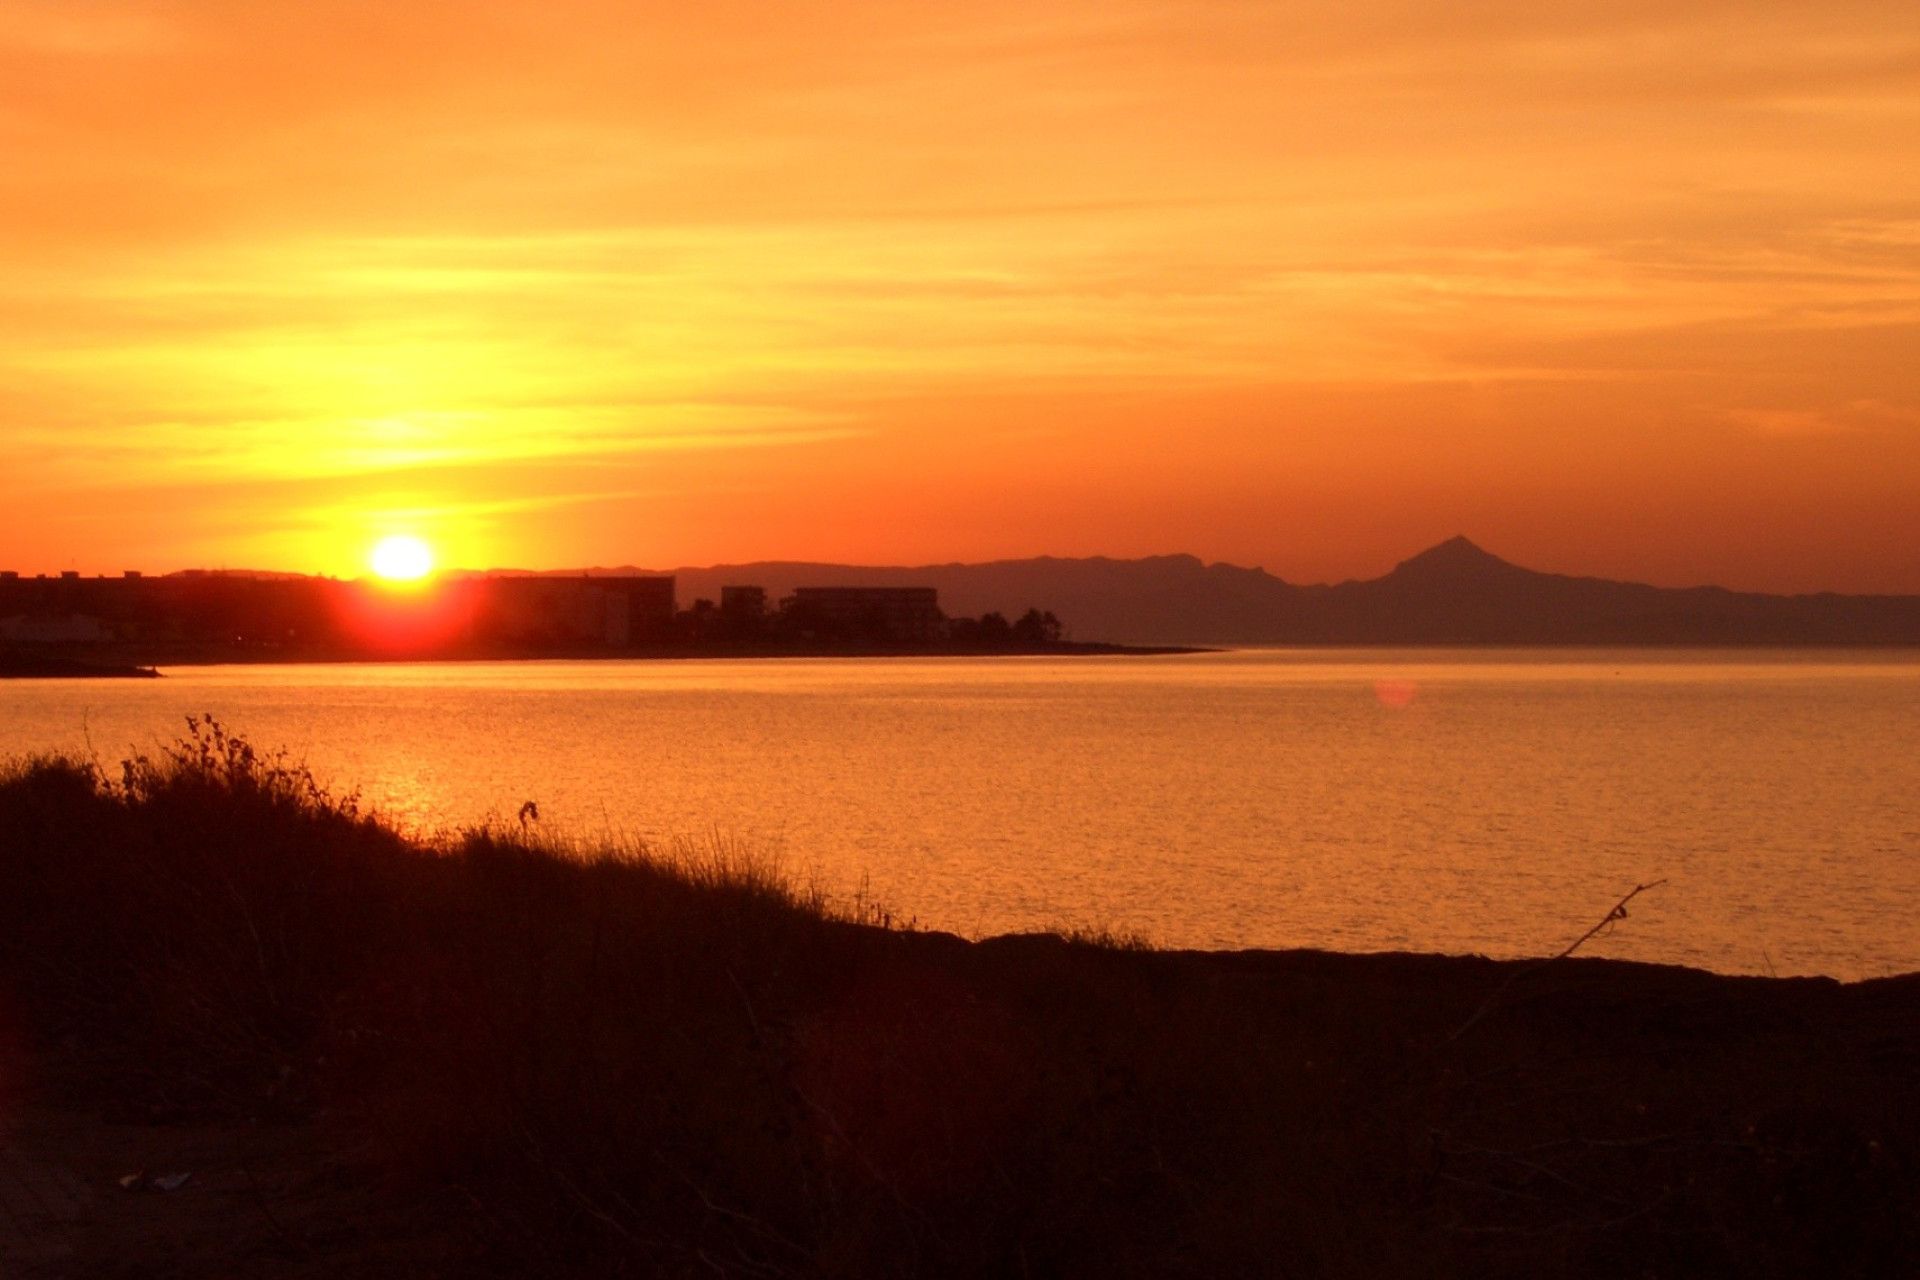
1454	593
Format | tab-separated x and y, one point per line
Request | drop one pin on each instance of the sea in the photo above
1497	802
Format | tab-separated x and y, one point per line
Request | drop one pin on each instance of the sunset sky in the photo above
1630	289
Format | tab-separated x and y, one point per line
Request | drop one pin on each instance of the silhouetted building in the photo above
744	603
614	612
650	602
894	613
243	613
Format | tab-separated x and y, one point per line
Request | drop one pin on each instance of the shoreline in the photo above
119	661
22	667
144	662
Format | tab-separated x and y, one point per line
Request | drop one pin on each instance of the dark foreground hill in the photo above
1454	593
491	1057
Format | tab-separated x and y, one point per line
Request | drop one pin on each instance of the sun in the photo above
402	558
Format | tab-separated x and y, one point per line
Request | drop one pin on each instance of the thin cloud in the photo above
341	239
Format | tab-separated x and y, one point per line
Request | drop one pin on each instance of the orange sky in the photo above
1630	289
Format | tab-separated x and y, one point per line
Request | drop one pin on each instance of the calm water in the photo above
1491	802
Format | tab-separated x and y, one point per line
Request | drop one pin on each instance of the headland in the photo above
16	665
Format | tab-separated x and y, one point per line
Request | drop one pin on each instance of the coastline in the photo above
35	667
144	661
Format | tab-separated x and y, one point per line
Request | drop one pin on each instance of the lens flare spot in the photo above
402	559
1395	693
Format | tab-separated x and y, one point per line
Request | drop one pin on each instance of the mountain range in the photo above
1453	593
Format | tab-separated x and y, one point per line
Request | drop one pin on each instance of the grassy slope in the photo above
630	1065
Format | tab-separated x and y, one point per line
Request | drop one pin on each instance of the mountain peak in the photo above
1455	557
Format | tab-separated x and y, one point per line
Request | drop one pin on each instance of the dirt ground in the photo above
82	1195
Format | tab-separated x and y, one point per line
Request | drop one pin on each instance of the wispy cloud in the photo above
337	239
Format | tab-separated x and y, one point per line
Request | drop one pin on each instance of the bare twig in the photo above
1617	914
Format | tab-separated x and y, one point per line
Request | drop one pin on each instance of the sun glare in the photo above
402	559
